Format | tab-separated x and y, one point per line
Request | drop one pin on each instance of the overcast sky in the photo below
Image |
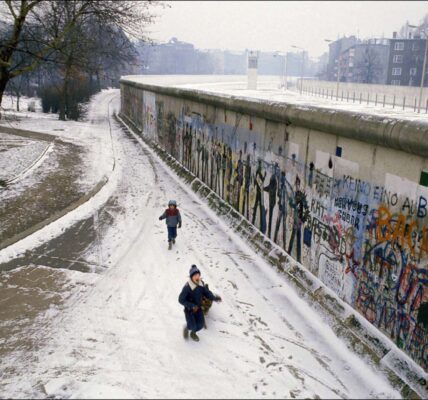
262	25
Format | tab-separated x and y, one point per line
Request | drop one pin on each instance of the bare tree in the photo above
90	49
51	28
369	68
405	30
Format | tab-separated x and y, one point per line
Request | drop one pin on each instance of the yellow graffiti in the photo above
398	231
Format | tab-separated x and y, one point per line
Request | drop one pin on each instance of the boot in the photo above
194	336
173	241
169	245
205	325
185	333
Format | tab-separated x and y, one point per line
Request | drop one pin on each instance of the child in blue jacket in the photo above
191	297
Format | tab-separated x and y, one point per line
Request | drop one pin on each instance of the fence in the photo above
397	97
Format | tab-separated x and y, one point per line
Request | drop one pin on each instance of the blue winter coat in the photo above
191	295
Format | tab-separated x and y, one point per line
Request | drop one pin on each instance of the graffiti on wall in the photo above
367	240
149	114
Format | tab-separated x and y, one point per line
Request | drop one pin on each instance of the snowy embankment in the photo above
122	337
18	155
97	147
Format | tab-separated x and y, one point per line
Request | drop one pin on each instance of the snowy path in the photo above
123	337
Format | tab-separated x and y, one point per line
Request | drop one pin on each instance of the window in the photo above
398	59
412	71
396	71
424	178
395	82
351	52
338	151
351	64
399	46
415	47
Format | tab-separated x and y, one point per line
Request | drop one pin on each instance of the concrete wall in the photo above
358	222
393	94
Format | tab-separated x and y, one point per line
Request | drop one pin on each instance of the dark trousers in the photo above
195	321
172	232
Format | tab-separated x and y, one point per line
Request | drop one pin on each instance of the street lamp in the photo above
303	59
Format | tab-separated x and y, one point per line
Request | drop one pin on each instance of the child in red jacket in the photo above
173	221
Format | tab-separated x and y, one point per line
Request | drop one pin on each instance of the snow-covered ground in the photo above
18	154
268	90
92	137
122	336
28	107
45	176
9	103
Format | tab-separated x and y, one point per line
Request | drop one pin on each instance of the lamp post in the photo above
301	72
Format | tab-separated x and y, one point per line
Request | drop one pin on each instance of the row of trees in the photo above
66	50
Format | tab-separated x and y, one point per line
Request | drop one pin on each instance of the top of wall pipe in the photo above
405	135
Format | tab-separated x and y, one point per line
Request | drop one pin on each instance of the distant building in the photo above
365	62
271	63
235	63
335	49
406	61
322	64
297	63
177	57
174	57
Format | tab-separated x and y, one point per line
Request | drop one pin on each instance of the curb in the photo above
29	134
35	162
359	335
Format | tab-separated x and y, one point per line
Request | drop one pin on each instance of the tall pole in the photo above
423	74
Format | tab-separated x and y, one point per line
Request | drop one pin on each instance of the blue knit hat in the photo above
194	270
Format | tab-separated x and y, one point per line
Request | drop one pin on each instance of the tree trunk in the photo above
63	103
4	78
98	82
63	110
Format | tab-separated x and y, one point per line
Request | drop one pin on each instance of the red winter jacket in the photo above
173	217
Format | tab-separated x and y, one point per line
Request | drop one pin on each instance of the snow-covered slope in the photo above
123	337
